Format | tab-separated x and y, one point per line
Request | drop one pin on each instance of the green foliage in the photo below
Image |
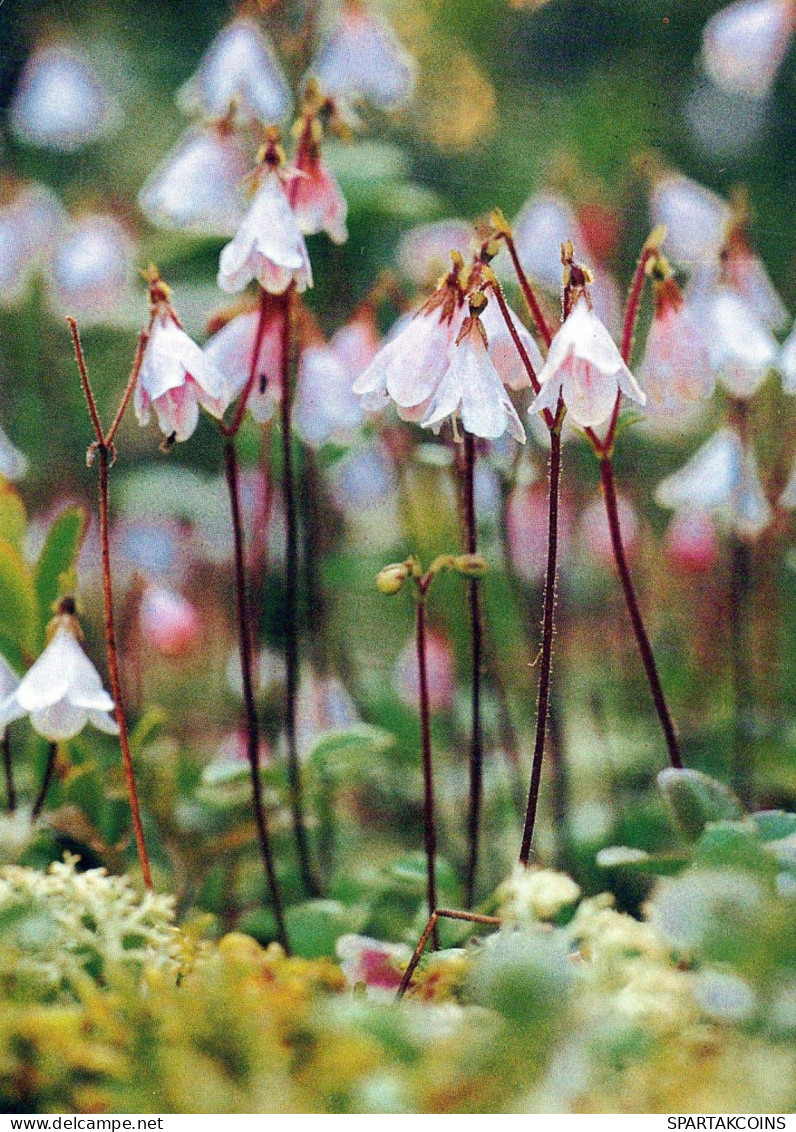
57	559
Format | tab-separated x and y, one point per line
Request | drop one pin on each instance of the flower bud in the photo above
392	577
470	565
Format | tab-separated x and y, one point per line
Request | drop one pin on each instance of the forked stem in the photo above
430	930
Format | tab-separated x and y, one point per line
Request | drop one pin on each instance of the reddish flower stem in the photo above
548	628
530	298
103	447
642	640
233	428
430	929
8	772
41	797
291	603
476	638
429	820
252	722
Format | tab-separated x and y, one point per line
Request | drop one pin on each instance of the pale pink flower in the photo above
377	965
544	223
440	671
691	542
60	103
168	621
229	352
747	275
470	389
30	224
424	252
594	532
676	371
13	464
744	44
696	220
326	408
317	200
176	378
585	367
239	68
197	185
61	692
502	350
268	246
742	350
361	60
91	269
526	530
723	479
357	342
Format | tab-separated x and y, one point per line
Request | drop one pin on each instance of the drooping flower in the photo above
62	691
423	253
691	542
175	376
675	372
230	349
60	103
695	219
317	201
239	69
361	60
9	682
377	965
268	245
31	218
502	350
326	407
723	479
471	390
91	269
440	672
744	44
586	369
168	621
742	351
747	275
197	185
544	223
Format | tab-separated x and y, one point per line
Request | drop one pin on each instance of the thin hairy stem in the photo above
233	428
429	820
41	797
291	603
132	381
430	929
99	435
252	724
530	298
8	772
647	657
548	629
476	644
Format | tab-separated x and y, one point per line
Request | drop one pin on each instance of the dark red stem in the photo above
8	771
38	805
428	769
530	298
476	639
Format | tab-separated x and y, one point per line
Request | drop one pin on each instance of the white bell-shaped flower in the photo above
326	407
316	198
747	275
471	390
585	367
91	269
175	379
361	60
675	372
424	252
787	362
30	222
502	350
268	246
744	44
230	350
240	67
197	185
60	103
742	351
13	464
61	692
722	478
695	220
544	223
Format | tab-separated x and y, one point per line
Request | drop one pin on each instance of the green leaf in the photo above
58	557
18	604
694	800
774	825
315	925
639	861
346	753
734	845
13	518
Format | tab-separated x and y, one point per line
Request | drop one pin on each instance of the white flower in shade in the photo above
357	342
168	622
586	369
361	60
91	269
787	362
317	201
744	44
471	390
9	682
502	350
675	372
268	246
742	351
326	407
747	275
197	185
175	377
60	103
424	253
695	219
721	478
30	222
544	223
788	497
230	350
240	67
62	692
13	464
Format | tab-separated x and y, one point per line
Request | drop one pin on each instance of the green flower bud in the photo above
392	577
470	565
